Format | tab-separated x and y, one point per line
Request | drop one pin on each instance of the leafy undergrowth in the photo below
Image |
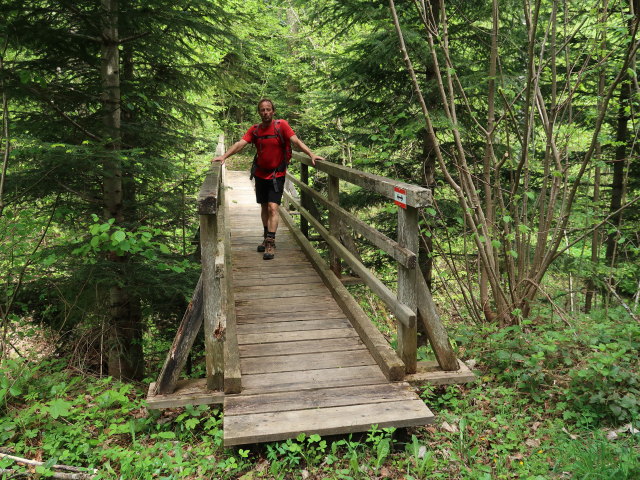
548	403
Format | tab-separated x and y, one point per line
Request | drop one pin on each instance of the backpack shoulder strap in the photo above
279	134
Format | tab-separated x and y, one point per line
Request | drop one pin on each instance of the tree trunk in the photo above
129	192
428	180
125	357
617	183
293	85
5	135
596	237
487	164
429	159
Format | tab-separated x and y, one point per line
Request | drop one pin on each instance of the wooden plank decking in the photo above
304	368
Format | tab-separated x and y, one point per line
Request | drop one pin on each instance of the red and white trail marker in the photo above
400	197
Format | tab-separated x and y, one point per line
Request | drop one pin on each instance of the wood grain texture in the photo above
408	233
303	346
329	313
280	291
283	337
259	280
430	372
232	370
266	427
209	192
386	358
304	367
187	392
306	361
318	398
213	316
268	306
310	379
293	326
437	334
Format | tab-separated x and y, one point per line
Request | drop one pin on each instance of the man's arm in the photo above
235	148
306	149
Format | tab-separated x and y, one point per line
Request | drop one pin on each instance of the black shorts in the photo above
265	191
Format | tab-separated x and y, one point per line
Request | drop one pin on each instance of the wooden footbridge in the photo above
288	349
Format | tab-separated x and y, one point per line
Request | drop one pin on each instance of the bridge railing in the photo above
413	301
212	303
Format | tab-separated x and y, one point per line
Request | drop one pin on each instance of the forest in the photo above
521	117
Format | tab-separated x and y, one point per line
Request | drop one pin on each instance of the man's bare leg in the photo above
272	225
273	217
264	214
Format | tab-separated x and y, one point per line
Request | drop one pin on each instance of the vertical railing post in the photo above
304	198
407	289
212	254
333	195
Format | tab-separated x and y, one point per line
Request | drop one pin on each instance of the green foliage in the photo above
605	382
98	423
106	237
191	68
487	430
596	358
600	458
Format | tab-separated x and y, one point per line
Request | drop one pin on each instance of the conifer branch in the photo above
65	116
23	271
85	37
133	37
81	195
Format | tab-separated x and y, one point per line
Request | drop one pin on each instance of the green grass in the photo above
531	414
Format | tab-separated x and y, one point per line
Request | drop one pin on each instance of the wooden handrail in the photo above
415	196
393	248
232	373
209	195
404	314
413	295
205	306
212	251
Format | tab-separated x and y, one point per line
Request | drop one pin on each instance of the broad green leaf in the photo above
59	408
118	236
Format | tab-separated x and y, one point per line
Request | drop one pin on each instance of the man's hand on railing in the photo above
235	148
315	157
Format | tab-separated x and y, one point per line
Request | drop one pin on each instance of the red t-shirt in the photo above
270	152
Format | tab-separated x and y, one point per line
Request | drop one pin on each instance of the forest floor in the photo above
549	402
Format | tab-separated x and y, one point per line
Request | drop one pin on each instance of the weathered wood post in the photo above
304	198
407	290
212	254
182	343
333	195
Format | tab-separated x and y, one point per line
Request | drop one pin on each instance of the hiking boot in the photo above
269	248
261	248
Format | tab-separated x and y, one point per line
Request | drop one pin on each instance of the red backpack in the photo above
286	151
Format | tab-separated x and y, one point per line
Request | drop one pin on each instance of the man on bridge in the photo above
272	139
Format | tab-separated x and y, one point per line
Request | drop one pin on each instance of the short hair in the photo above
273	107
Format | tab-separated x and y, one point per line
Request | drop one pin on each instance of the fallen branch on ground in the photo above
81	474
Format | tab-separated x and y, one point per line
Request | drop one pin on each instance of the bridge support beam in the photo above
408	235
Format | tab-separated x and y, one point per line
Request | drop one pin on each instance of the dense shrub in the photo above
591	367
